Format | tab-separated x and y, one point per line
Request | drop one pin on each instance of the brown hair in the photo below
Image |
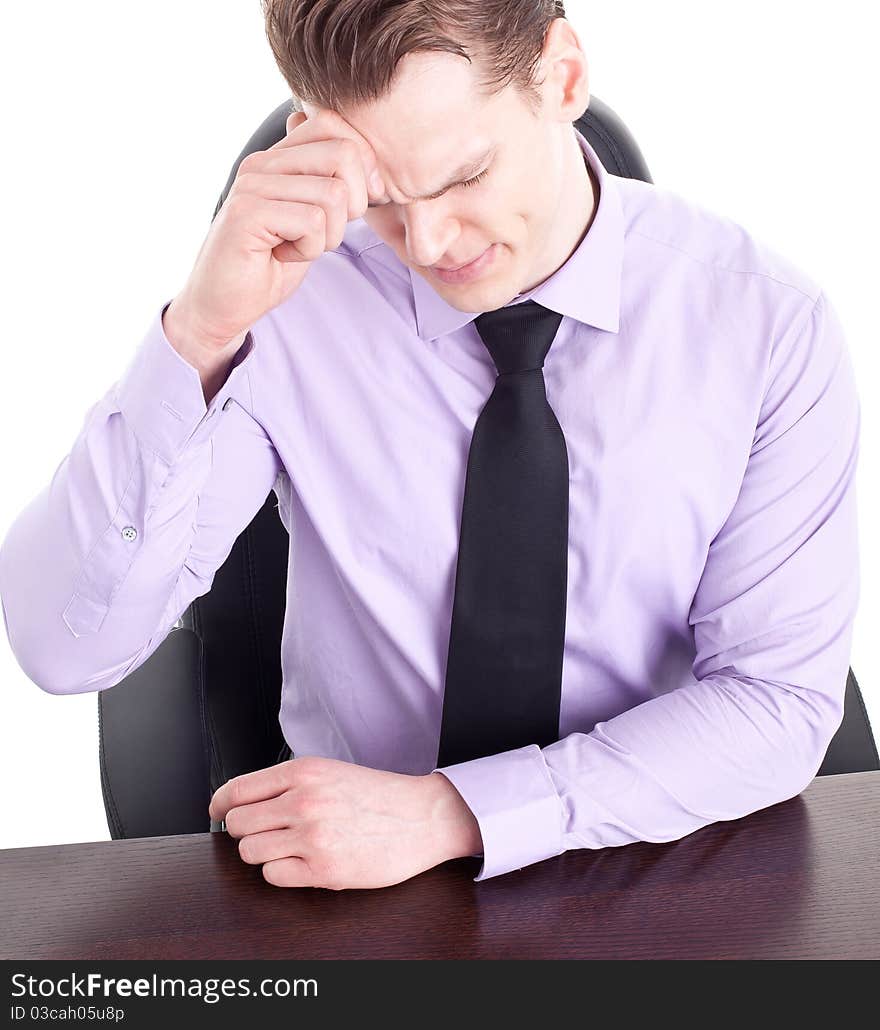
333	53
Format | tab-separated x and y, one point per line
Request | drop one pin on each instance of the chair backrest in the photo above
207	700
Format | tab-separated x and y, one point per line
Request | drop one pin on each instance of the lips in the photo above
454	268
469	271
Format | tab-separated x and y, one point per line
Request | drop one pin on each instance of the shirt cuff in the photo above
161	397
516	805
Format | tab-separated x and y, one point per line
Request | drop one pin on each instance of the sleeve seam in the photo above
799	333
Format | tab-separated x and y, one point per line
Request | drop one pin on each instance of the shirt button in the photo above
129	533
226	403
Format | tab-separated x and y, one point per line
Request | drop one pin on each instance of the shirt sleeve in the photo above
772	622
137	518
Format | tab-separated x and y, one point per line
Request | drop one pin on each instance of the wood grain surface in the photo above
800	879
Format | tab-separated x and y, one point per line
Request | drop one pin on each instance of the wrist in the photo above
195	346
211	360
455	825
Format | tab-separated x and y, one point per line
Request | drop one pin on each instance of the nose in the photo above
430	232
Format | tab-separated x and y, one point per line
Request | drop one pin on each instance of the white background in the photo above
121	123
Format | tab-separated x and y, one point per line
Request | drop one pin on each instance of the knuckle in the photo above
326	872
237	204
306	806
236	792
319	837
245	180
319	859
308	766
345	145
310	248
249	163
337	190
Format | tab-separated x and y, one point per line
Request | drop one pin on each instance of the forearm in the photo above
715	750
100	564
88	569
712	751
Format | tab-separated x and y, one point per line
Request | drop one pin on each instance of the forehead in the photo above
432	120
431	83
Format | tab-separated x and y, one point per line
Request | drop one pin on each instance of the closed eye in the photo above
467	182
476	178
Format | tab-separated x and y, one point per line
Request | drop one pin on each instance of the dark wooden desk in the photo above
800	879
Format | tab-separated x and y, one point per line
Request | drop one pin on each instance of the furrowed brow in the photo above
462	175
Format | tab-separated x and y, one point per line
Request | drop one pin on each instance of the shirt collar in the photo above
585	287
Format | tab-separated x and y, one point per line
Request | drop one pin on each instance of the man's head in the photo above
477	97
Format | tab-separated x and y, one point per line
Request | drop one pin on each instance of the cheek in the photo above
384	223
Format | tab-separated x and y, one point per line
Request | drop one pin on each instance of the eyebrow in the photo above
462	175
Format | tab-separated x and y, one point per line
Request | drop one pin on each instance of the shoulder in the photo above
663	224
721	279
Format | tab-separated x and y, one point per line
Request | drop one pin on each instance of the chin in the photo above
481	296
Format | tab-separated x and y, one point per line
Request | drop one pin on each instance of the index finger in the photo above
325	123
259	785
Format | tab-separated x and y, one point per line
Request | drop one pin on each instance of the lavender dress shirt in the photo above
709	406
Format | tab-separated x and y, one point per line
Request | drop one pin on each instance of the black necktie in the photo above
504	668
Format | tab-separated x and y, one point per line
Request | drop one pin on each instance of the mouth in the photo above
454	268
467	271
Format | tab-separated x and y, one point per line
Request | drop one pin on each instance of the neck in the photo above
574	214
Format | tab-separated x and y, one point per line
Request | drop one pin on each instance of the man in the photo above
357	334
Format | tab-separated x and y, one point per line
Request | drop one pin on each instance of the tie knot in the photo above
518	336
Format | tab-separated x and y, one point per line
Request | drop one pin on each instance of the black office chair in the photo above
204	706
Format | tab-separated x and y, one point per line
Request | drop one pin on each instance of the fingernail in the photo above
376	182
